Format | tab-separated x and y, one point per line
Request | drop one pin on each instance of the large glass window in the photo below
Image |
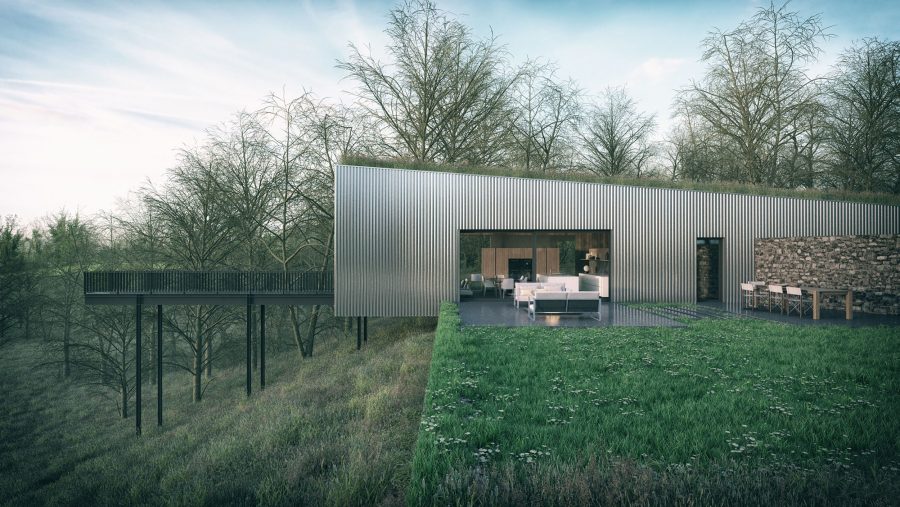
527	254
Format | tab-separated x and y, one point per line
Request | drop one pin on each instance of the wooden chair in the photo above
795	300
776	297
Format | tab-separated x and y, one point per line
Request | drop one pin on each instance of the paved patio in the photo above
502	313
494	312
828	317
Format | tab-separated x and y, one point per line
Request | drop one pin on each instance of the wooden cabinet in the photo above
495	261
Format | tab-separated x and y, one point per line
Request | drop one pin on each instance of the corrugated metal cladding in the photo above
397	232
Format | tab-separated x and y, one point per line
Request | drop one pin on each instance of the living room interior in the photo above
492	262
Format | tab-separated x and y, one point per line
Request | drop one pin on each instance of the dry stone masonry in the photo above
870	265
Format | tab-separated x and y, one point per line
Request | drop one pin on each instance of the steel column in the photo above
137	365
249	331
262	347
358	333
159	355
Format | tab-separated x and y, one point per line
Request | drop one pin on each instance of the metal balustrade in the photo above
208	283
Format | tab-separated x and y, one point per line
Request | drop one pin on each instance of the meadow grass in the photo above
335	429
728	187
721	411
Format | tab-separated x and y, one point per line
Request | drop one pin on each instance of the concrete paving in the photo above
501	312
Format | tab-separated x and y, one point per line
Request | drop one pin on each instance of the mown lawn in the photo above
337	429
722	412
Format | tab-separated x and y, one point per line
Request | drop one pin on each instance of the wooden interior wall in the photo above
495	261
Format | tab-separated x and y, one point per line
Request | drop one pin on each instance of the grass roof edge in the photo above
727	187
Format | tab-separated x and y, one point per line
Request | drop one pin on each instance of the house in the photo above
401	236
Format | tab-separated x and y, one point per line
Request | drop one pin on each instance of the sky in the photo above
97	97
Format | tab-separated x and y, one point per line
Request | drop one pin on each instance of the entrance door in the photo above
709	267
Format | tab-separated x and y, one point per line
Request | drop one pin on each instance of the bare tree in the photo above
197	233
70	247
615	136
444	96
756	94
863	134
547	115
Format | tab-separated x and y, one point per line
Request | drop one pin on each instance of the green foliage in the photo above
13	271
574	175
337	430
717	412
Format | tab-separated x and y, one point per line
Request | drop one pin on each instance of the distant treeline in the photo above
257	192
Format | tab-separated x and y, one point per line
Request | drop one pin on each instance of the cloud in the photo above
656	69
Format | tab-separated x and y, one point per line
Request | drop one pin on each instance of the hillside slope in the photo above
335	429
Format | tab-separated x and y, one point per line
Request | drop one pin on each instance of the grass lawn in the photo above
722	411
336	429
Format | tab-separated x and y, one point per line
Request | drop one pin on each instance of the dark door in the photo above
709	267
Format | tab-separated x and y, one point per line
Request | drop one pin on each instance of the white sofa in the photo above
565	302
571	283
524	290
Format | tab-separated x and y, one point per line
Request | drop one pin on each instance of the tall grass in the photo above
335	429
724	412
832	194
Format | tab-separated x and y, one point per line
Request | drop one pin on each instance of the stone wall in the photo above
870	265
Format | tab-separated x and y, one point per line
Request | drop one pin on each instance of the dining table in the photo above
819	292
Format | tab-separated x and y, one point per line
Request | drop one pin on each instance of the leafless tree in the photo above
615	136
863	134
197	233
757	95
547	112
70	247
444	96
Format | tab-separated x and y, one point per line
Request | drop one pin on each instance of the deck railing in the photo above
208	282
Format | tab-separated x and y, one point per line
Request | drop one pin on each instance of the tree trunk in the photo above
66	368
295	328
198	359
311	331
314	318
209	344
124	410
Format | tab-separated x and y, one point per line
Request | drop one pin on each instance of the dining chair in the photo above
507	285
796	300
776	297
476	282
748	295
488	285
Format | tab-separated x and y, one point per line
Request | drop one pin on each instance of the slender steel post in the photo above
262	347
137	365
366	329
358	333
159	354
249	331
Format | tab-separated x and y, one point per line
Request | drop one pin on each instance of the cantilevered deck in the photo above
249	288
209	287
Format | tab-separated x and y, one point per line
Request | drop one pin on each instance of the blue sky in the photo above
95	97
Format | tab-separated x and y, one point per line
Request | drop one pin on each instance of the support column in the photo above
262	347
358	333
366	329
249	332
159	354
137	364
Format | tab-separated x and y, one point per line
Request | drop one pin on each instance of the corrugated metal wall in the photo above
397	232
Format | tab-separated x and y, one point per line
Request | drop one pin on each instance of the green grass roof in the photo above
652	182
